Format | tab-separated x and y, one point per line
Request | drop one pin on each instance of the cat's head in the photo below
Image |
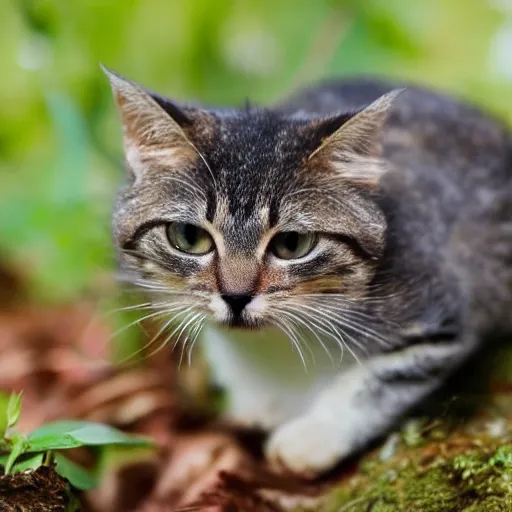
249	217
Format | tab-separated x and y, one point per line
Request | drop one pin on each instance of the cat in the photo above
337	256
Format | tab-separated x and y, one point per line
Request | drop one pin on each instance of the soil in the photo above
41	490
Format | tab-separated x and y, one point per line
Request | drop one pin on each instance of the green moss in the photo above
490	504
432	491
502	459
485	475
383	507
480	480
412	433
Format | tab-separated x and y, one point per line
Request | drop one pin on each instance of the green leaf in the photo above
58	427
77	476
17	448
24	462
62	435
14	409
4	406
28	463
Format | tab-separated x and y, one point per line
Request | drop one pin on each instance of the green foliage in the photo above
13	409
27	463
490	474
24	453
15	445
63	435
4	405
502	459
10	409
77	476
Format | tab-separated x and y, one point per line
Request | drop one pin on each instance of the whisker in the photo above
296	318
319	324
164	288
206	164
297	331
340	297
135	307
186	313
286	329
138	321
140	256
347	323
340	333
153	339
192	187
357	345
369	333
198	330
193	319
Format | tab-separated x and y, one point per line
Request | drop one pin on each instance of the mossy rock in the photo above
467	474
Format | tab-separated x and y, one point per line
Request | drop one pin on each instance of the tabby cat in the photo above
335	257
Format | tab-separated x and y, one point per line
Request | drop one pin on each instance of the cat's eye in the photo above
189	238
291	245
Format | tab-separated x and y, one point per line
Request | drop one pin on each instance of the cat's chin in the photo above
243	325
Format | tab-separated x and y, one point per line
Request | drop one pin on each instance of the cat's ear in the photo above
354	149
152	127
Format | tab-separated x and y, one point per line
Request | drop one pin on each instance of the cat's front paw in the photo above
308	446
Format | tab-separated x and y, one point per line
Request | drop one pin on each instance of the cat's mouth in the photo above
242	323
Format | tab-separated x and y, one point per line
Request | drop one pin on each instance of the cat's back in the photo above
424	126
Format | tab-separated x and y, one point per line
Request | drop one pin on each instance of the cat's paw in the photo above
308	446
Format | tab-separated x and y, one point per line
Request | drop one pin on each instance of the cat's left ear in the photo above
355	148
156	131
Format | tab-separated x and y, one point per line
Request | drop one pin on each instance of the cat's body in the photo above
409	267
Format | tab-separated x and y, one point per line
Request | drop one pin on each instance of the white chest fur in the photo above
264	377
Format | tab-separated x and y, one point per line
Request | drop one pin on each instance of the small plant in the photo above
42	446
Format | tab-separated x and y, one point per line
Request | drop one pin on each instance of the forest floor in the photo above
455	455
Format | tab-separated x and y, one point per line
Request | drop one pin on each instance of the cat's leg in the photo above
360	405
251	401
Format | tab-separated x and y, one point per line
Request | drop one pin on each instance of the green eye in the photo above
291	245
189	238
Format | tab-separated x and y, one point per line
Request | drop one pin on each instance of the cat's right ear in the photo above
150	130
354	150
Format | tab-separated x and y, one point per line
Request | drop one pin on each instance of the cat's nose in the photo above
236	301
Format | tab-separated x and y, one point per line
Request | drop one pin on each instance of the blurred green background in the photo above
60	160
